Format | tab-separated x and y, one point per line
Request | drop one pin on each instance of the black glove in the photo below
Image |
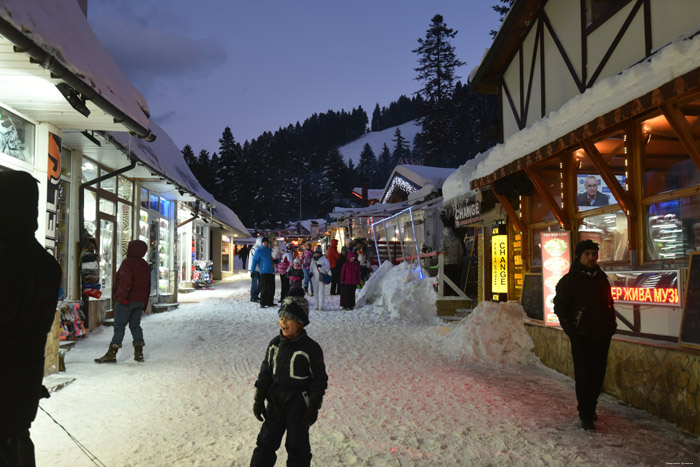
259	405
311	414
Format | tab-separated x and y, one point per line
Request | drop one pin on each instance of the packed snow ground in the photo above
404	390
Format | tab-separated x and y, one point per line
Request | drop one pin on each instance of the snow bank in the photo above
396	294
493	333
372	289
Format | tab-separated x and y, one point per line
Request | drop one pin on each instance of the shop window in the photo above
144	198
109	184
126	189
667	166
610	232
536	249
124	230
66	161
164	207
89	171
90	212
551	175
107	207
591	190
153	202
16	136
106	256
143	226
673	228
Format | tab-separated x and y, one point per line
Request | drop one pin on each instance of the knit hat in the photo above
351	255
265	239
318	249
296	308
585	245
296	260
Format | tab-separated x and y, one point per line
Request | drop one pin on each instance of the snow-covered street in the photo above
395	397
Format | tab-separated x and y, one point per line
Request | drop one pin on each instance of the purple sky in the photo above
256	65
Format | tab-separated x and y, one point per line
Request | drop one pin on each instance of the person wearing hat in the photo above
293	381
263	259
586	312
319	266
296	275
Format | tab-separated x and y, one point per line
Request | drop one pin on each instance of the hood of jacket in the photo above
136	249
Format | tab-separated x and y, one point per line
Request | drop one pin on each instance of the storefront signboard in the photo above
499	264
659	288
467	211
53	192
556	261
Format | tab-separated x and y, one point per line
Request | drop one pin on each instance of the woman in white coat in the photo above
319	265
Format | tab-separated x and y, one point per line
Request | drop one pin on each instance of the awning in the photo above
44	43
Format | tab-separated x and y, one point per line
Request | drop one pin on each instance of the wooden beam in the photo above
683	130
546	195
606	173
512	214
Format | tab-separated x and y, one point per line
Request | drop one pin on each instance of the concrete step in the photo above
162	307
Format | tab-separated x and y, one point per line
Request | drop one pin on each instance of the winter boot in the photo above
111	355
138	350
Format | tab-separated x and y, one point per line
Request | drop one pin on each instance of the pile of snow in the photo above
372	289
493	333
400	293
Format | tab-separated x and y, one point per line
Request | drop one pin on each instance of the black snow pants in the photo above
267	289
590	361
283	416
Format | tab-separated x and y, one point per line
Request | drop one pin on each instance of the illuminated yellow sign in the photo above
499	269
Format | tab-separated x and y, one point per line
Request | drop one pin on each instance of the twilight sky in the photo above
257	65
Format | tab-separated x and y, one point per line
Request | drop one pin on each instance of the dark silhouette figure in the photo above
27	313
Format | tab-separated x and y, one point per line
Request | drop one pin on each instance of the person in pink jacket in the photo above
349	278
130	293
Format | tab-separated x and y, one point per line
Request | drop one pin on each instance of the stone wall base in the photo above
663	379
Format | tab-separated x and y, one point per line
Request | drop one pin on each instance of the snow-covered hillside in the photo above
376	140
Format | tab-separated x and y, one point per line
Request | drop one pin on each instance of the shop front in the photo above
618	164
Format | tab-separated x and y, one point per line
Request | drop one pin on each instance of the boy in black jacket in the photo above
293	380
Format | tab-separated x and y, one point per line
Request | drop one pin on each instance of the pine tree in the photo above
402	149
376	118
384	166
437	67
204	170
367	167
502	9
229	166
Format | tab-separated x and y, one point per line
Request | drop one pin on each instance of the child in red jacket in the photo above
349	278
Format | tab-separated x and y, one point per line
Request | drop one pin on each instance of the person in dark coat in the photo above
586	312
332	256
293	381
349	278
243	255
130	293
28	308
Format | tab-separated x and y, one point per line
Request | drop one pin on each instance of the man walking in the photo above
28	309
254	272
586	312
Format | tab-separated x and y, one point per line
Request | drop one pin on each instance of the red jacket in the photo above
333	253
350	274
132	282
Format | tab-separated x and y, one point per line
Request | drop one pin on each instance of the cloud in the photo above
146	53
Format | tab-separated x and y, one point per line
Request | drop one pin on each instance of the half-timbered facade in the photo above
600	124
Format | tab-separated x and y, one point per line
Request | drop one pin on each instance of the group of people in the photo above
306	268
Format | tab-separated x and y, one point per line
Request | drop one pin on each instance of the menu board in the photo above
690	322
556	261
531	298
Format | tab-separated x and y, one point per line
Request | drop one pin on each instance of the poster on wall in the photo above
556	261
53	192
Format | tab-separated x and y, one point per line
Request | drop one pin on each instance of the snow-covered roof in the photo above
418	175
57	33
225	215
677	58
164	157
